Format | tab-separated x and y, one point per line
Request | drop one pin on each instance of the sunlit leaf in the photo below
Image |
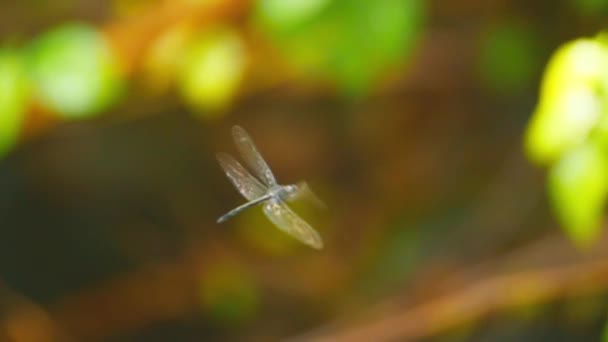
578	185
581	61
562	124
213	70
509	57
569	106
14	91
351	43
74	71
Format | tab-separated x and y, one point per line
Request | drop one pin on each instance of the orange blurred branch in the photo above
168	291
493	292
130	302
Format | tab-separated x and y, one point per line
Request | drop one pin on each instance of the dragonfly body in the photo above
265	191
278	193
242	207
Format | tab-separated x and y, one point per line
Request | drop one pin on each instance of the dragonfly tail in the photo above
242	207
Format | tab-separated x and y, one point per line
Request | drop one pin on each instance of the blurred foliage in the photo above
605	332
568	133
579	185
108	225
212	70
164	60
228	293
591	7
568	107
350	42
74	71
14	96
510	57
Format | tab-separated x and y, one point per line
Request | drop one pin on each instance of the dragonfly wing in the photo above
306	192
288	221
252	157
246	184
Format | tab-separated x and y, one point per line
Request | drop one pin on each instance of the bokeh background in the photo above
465	201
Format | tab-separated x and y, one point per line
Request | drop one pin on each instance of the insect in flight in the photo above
266	191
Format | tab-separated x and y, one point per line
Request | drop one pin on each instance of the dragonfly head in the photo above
301	190
291	191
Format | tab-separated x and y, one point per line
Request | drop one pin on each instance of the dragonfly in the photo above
263	189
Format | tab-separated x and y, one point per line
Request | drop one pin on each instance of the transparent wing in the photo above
251	156
288	221
246	184
306	192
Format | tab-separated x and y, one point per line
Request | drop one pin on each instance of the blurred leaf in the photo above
509	57
562	124
581	61
285	15
213	70
229	293
578	185
164	59
129	8
14	91
74	71
591	7
569	106
351	42
605	332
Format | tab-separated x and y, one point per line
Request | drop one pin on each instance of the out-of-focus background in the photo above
460	147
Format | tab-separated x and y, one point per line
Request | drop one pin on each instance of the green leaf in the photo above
578	186
74	71
14	95
569	106
213	70
351	42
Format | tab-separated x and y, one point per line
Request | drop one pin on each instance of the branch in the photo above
477	300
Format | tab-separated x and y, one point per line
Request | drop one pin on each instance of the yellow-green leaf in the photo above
581	61
14	91
164	58
569	105
578	185
562	123
74	71
213	70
